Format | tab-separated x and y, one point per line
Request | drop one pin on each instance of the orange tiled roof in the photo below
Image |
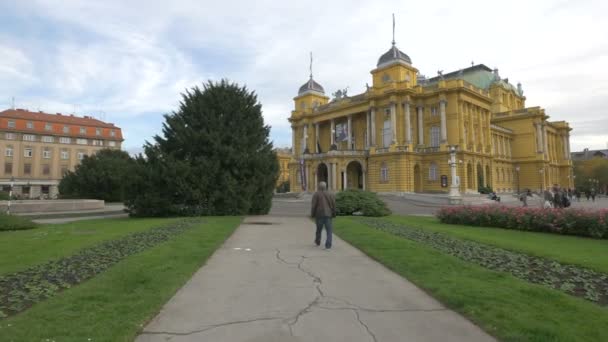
58	121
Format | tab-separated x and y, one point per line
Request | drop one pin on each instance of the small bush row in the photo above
362	203
558	221
12	222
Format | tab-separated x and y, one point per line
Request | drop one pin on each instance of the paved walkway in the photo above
268	282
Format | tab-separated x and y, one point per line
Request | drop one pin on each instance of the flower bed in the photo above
558	221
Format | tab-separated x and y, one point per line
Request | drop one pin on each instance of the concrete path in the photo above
269	282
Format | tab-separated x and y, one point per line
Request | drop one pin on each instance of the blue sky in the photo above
128	62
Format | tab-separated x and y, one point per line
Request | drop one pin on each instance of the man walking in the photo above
323	209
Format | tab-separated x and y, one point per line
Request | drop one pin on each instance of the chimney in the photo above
59	114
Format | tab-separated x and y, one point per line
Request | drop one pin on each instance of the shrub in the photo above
4	196
283	187
485	189
558	221
12	222
352	202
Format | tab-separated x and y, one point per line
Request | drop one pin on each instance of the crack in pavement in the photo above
174	333
316	302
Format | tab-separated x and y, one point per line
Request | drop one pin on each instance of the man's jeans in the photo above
323	221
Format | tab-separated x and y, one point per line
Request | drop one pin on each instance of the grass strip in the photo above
22	249
506	307
115	305
586	252
20	290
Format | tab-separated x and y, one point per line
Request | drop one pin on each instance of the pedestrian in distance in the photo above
323	210
524	197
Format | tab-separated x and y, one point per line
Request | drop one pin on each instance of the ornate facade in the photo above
396	136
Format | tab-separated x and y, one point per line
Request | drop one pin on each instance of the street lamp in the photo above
454	194
541	172
10	196
517	170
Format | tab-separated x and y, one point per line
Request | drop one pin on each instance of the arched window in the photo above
433	172
383	172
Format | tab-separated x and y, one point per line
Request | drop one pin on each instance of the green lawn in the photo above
504	306
21	249
114	305
586	252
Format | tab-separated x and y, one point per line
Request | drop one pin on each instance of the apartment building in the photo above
37	148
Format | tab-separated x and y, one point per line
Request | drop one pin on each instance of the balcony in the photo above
335	153
433	149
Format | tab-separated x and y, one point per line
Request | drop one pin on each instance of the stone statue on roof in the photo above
440	73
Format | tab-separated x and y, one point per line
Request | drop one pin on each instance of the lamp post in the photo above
10	196
454	195
517	170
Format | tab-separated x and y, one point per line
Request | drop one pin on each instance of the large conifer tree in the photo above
214	157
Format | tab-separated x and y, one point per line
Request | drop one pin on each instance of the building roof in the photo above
393	55
309	86
39	119
589	154
478	75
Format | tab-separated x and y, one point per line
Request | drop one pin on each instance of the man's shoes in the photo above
317	243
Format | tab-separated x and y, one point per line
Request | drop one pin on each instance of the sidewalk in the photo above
269	282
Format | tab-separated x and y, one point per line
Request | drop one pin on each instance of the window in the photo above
383	172
111	143
435	134
45	189
27	169
82	141
46	154
46	169
29	125
80	155
66	129
387	132
65	140
11	123
10	136
112	133
28	152
8	168
48	127
97	142
433	172
433	111
97	131
29	137
9	151
65	154
83	130
47	139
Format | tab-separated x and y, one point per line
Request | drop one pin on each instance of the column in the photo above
363	173
539	138
444	130
568	145
332	134
305	139
545	142
367	131
394	122
420	125
293	141
316	181
565	143
408	123
317	137
350	132
344	180
373	126
334	176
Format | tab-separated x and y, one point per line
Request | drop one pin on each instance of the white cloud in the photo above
141	55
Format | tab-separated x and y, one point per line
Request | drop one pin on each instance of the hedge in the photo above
569	221
358	202
12	222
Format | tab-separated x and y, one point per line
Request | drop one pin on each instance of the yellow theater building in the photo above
407	133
